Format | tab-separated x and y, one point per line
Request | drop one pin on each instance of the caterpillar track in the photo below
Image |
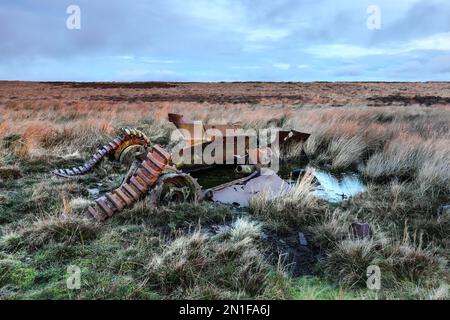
118	149
151	171
135	188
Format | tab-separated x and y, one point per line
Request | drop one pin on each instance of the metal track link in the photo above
135	188
114	148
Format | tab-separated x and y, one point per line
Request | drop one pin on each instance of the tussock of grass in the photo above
244	228
50	195
78	205
401	158
440	293
291	210
396	202
346	151
176	215
204	266
406	261
61	229
347	263
334	228
14	146
399	262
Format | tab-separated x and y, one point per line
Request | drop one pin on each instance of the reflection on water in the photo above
337	188
330	187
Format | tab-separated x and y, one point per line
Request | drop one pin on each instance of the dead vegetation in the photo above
199	250
226	265
52	229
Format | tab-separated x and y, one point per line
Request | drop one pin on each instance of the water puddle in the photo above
329	186
333	188
336	188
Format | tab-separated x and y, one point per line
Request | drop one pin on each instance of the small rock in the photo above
302	239
361	230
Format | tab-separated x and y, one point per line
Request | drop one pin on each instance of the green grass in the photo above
315	288
200	250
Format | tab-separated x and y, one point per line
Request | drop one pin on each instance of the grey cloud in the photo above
210	38
422	19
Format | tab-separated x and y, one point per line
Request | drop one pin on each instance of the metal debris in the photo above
198	136
135	188
361	231
268	184
120	148
152	173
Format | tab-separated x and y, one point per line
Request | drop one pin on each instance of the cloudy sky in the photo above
225	40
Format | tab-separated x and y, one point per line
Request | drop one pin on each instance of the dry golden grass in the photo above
402	152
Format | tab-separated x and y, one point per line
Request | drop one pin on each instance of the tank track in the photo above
114	149
135	188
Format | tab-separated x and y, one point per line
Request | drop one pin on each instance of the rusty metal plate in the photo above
103	206
115	200
143	176
165	156
131	191
137	185
125	198
95	214
155	163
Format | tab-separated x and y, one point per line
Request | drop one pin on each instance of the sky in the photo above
225	40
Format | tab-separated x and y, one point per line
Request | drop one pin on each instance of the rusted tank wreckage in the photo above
164	177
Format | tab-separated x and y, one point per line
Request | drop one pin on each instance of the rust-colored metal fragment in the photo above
113	149
198	136
135	188
137	185
123	196
95	215
104	206
150	171
145	177
131	191
361	230
115	200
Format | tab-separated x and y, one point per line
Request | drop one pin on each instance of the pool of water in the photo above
331	187
336	188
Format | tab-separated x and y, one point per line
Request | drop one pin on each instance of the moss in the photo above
16	274
315	288
15	205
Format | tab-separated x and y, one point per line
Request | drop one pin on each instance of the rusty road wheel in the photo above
176	188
